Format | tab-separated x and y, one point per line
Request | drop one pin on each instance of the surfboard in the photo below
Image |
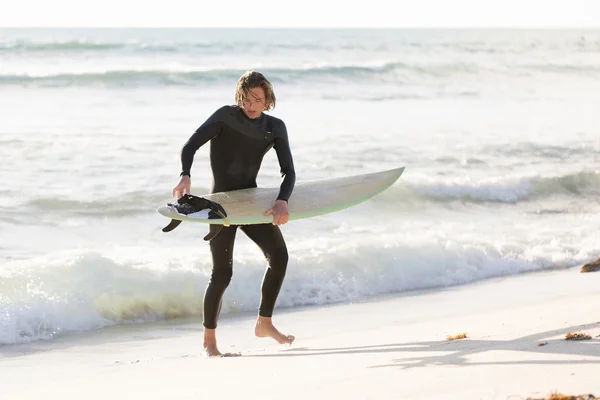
309	199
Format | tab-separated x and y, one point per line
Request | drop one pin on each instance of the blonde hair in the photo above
253	80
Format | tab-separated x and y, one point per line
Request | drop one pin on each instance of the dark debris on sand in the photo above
559	396
577	336
591	267
457	337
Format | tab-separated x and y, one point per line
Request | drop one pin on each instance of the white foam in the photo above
88	289
507	189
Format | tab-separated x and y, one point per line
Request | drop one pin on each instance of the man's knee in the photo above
278	260
221	277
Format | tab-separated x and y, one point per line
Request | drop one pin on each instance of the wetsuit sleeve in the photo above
208	130
286	163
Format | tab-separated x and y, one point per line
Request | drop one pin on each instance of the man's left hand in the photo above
280	212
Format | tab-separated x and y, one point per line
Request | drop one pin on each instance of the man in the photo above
240	136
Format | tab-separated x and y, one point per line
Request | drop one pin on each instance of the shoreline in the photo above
129	327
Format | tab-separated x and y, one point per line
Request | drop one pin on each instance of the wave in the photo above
238	41
56	46
528	150
186	76
508	191
76	291
396	73
562	68
128	204
159	46
122	78
75	46
390	72
385	72
505	191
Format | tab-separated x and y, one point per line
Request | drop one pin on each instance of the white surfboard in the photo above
309	199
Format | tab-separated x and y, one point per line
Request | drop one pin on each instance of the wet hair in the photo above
253	80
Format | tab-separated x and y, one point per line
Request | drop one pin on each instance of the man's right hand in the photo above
183	187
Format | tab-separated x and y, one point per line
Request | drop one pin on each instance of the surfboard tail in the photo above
189	204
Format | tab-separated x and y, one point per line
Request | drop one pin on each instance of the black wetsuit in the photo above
237	147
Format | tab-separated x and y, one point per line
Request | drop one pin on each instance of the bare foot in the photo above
210	350
210	345
264	328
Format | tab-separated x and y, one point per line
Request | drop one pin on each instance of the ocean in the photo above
498	130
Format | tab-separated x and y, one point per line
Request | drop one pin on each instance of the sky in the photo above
303	13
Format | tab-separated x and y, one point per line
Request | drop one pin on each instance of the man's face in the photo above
254	103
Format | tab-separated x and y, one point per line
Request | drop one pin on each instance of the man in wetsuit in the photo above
239	138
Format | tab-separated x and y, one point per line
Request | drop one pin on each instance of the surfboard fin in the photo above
188	204
213	231
172	225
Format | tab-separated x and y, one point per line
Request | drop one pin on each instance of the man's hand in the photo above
280	212
183	187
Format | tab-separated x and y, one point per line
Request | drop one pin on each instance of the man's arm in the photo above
203	134
286	164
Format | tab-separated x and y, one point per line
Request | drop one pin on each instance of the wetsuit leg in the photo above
270	240
221	248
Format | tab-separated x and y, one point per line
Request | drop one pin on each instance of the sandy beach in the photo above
391	347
